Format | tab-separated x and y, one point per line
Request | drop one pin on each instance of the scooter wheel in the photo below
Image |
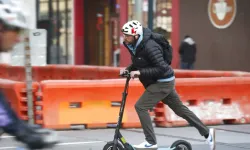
181	145
109	146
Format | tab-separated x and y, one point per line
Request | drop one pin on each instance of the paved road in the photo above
228	137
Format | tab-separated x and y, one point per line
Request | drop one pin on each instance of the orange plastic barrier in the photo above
108	72
15	92
40	73
85	72
61	72
92	104
214	101
208	73
71	72
89	72
16	73
4	71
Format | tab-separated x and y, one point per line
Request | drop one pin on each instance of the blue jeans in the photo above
185	65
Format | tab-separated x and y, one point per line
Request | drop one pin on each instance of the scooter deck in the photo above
159	148
145	149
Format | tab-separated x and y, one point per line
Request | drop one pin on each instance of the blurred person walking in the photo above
187	51
12	23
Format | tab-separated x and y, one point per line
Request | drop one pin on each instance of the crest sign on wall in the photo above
222	12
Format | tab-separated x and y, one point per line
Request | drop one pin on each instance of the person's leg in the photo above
152	95
184	65
190	66
174	102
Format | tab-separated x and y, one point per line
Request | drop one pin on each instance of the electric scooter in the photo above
119	142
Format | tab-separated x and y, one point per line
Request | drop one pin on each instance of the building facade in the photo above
88	32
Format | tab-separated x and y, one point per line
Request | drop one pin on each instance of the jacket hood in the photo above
189	41
146	34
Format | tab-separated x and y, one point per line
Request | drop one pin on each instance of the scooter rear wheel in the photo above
109	146
181	145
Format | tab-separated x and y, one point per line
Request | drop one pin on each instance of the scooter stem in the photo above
124	96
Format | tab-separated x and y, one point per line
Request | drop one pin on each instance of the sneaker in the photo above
145	145
211	139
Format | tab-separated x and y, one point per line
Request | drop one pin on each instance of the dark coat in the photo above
148	59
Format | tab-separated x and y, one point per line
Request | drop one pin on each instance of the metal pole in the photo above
28	72
37	11
58	31
150	14
66	30
50	14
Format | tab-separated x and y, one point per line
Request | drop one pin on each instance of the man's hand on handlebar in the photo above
132	74
124	72
135	74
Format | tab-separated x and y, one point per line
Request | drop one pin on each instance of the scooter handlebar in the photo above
125	73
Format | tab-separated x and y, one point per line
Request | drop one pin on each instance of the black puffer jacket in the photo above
148	59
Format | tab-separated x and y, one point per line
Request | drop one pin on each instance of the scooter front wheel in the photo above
109	146
181	145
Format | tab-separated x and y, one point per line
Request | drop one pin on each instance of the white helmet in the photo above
12	15
133	27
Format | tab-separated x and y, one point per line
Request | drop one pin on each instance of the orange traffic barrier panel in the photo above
214	101
83	72
4	71
16	95
16	73
41	73
208	73
90	72
87	103
108	72
61	72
